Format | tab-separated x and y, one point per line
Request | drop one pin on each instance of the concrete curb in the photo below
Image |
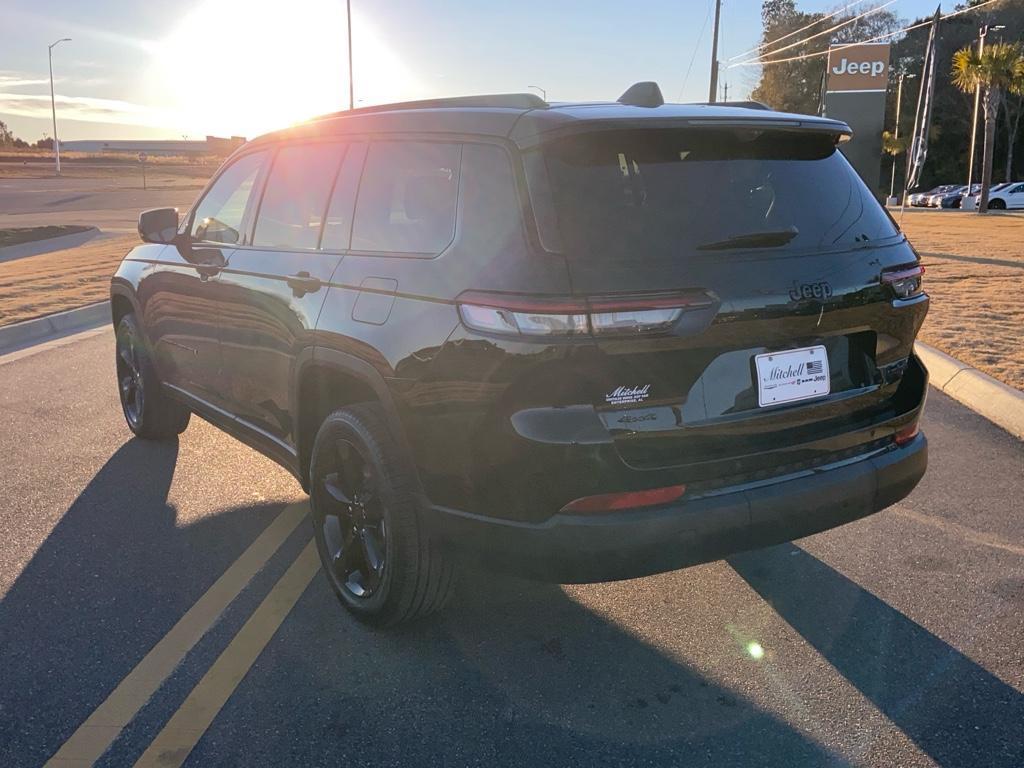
36	247
999	403
18	335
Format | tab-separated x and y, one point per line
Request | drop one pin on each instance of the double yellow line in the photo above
182	732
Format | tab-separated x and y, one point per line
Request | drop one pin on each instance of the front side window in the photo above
292	211
407	198
218	217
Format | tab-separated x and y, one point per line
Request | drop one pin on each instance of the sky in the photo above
189	68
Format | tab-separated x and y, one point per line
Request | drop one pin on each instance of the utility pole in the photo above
982	31
713	90
896	132
725	87
351	86
53	103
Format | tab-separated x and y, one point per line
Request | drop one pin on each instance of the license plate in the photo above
794	374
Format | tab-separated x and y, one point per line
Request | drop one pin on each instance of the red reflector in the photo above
905	435
609	502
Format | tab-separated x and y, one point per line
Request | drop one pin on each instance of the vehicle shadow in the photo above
109	581
952	708
513	673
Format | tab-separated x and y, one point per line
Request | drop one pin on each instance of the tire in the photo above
997	205
376	554
150	413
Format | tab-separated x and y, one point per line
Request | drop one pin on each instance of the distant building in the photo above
211	145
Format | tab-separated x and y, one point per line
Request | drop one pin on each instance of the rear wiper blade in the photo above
752	240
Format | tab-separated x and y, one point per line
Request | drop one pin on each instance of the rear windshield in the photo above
629	195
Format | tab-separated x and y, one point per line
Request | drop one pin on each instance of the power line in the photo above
830	29
696	46
825	52
832	15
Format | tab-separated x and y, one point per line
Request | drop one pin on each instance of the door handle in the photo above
302	283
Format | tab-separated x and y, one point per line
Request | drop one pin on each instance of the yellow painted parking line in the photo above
98	732
182	732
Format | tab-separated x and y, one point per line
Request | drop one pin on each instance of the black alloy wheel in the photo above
150	413
352	522
375	548
129	377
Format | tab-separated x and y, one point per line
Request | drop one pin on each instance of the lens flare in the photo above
755	650
238	67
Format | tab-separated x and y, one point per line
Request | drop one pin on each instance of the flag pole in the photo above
918	147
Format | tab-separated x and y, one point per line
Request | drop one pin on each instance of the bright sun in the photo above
244	67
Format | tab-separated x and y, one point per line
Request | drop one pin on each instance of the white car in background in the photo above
1006	196
919	199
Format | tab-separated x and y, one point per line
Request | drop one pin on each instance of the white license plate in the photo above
794	374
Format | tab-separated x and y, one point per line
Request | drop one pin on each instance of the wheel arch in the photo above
327	379
122	302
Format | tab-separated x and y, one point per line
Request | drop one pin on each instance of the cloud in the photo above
84	108
10	79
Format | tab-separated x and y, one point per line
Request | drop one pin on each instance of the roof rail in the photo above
743	104
495	100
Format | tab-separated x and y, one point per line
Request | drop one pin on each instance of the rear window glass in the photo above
407	198
628	195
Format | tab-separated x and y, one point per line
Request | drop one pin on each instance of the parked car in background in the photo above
577	342
919	199
954	199
1006	196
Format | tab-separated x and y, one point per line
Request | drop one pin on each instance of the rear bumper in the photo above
587	548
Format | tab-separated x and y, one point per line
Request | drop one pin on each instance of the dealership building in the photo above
211	145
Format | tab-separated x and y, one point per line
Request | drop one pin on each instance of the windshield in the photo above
644	194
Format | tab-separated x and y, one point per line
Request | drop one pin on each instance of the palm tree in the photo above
995	70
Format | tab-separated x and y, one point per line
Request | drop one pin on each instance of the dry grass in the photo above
19	235
52	282
977	308
185	176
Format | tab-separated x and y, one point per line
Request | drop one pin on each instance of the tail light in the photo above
905	281
612	502
906	434
591	316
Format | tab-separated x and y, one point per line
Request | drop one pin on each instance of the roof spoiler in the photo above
645	94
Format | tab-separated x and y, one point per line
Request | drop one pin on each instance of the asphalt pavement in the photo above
111	203
895	640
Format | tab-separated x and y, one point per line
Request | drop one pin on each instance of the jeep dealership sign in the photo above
857	77
863	68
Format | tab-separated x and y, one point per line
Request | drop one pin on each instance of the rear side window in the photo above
407	198
218	217
295	201
663	194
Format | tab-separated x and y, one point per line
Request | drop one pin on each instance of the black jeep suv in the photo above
579	341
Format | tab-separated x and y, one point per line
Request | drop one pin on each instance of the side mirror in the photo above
159	225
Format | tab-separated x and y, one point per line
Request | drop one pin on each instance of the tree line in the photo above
9	141
797	86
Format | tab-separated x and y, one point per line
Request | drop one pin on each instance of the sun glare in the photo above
233	67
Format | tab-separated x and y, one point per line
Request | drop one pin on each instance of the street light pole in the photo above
713	87
351	86
53	102
896	132
543	93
